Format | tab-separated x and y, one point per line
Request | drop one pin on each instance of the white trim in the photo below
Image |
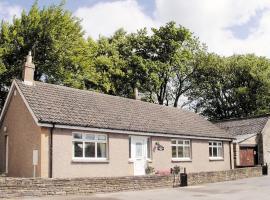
131	160
89	160
135	132
83	140
139	161
181	160
46	125
176	145
218	146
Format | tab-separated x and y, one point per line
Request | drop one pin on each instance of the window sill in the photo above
81	160
216	159
132	160
181	160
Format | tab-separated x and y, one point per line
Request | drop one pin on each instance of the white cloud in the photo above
105	18
208	19
7	11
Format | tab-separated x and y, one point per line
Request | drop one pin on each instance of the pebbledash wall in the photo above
23	137
118	163
21	187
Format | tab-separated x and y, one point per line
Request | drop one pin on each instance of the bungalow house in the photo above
251	145
49	130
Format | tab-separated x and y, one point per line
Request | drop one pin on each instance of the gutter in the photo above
51	152
128	132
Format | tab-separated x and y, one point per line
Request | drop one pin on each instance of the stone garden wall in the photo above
21	187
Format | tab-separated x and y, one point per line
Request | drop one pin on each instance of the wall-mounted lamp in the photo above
159	146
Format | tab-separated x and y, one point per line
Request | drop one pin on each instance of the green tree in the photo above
108	64
159	64
229	87
60	53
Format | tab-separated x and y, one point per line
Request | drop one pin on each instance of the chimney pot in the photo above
28	70
136	94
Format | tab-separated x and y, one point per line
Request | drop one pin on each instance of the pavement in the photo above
244	189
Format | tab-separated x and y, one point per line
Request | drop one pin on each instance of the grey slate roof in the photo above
246	126
67	106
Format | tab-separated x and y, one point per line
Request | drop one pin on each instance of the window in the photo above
89	146
181	149
215	150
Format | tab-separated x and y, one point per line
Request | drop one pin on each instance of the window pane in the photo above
210	143
90	149
77	136
174	151
180	141
173	141
215	152
187	142
180	152
210	152
78	149
101	137
90	137
187	152
139	150
214	143
220	152
101	150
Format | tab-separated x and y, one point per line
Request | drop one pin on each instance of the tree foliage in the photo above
56	40
169	65
231	87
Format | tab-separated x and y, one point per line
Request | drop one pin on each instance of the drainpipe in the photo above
230	147
51	151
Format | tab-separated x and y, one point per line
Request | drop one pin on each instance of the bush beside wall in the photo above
21	187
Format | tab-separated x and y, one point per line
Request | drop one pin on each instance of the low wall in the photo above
21	187
227	175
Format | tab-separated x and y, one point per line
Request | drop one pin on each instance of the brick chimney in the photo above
28	70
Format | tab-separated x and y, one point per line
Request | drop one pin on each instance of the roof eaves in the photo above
97	129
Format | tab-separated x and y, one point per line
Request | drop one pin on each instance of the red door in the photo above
247	156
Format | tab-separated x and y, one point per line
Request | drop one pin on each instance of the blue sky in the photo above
72	5
226	26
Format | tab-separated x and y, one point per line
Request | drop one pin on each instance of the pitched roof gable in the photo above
67	106
245	126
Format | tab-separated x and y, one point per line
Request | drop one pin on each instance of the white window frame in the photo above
219	145
84	140
177	158
148	147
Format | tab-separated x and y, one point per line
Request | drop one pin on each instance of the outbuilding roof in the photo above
73	107
244	126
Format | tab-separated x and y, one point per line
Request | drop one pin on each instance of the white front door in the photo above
139	154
